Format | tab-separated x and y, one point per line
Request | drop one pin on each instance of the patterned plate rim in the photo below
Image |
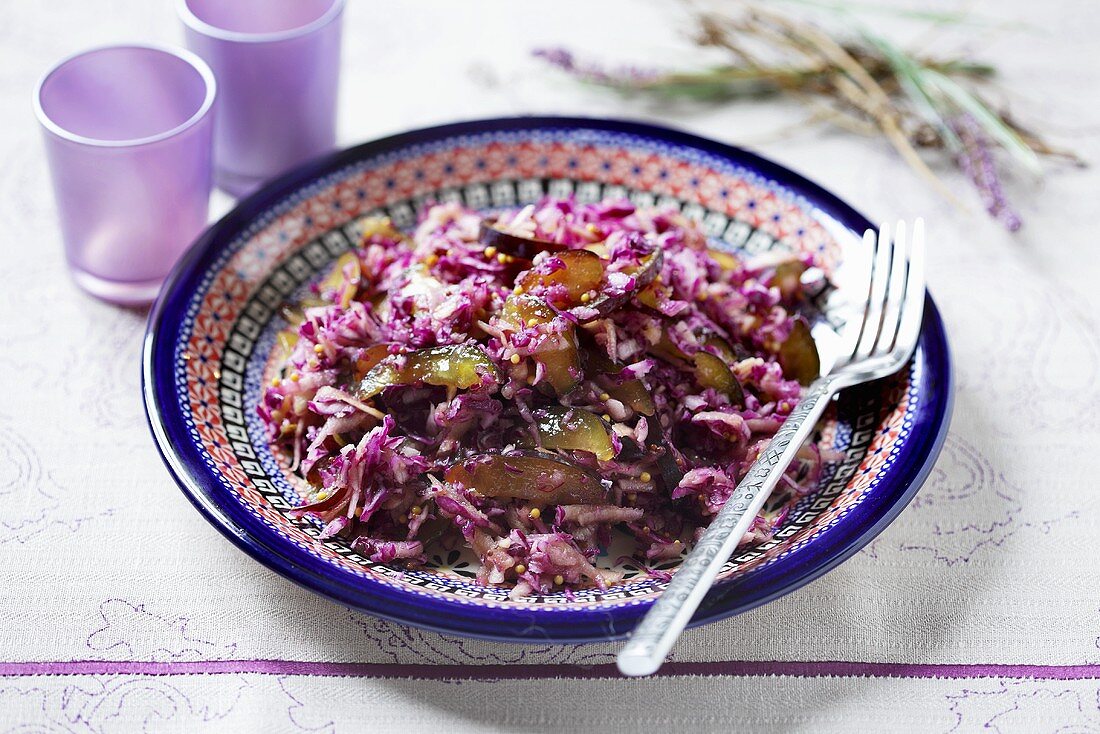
195	478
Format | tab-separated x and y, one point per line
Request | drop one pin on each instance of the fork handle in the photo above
661	627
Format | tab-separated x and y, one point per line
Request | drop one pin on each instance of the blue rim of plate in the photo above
752	589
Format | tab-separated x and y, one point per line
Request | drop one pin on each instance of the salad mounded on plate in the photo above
527	383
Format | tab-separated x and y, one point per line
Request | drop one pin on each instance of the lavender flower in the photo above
559	57
620	76
976	159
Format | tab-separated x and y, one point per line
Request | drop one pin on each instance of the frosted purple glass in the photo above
277	63
128	133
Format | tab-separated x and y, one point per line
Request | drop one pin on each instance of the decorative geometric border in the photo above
223	313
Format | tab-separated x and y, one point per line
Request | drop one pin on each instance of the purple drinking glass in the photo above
128	133
277	63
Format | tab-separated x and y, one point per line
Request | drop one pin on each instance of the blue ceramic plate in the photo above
212	330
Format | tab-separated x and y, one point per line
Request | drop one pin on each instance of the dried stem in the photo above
859	87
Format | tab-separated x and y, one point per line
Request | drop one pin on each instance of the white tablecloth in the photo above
122	610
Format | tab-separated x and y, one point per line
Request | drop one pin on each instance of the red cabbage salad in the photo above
524	384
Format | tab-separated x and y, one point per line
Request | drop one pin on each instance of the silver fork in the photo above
878	345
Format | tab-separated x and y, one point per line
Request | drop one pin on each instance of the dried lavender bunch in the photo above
858	81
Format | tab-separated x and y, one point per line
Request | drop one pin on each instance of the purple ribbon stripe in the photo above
500	672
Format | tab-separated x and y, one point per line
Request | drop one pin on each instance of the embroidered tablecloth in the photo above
122	610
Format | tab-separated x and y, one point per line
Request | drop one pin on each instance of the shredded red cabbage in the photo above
439	390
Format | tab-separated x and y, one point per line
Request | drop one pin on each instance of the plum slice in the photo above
582	272
788	278
457	366
574	429
536	477
798	355
514	244
711	371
